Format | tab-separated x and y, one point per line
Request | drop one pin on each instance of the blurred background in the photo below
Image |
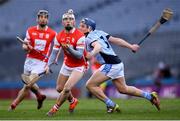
155	67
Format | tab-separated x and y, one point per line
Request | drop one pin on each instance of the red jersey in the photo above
94	64
77	40
40	40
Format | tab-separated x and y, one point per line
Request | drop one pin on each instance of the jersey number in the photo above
105	41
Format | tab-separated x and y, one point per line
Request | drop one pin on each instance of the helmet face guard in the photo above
89	22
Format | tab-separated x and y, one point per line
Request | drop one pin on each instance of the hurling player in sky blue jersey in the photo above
98	45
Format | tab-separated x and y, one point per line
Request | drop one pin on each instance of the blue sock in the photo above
109	102
147	95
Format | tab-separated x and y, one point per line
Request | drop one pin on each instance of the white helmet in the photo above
68	14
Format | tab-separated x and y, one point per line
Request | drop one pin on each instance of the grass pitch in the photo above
93	109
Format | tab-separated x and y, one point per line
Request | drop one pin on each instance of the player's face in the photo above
42	20
68	22
83	28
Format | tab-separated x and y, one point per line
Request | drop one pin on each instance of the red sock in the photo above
72	100
15	103
37	93
56	106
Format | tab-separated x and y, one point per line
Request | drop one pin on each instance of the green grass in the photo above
93	109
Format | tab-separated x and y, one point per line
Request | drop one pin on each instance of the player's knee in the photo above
89	85
59	89
26	87
34	77
123	89
25	78
66	90
29	78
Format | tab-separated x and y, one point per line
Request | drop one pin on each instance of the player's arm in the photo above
78	52
26	46
53	56
96	49
123	43
55	53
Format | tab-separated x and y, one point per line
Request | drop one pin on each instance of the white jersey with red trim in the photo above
40	40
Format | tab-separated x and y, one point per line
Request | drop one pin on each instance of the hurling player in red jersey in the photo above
72	42
38	38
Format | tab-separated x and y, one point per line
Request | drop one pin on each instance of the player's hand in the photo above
88	55
135	47
47	69
65	46
27	47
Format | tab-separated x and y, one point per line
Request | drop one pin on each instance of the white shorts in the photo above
113	71
34	66
66	70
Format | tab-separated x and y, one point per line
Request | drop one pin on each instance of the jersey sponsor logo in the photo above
40	44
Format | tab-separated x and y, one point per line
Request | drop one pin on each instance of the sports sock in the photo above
37	93
109	102
146	95
14	103
72	100
56	106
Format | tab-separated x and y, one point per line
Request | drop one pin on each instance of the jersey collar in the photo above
39	29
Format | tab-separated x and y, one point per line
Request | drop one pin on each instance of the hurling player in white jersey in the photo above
97	45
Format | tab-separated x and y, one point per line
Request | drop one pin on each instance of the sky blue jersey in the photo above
107	54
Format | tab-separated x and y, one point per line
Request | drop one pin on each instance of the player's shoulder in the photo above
78	33
93	34
32	28
51	30
60	34
99	32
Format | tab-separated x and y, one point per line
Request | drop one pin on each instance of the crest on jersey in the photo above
41	35
73	40
68	40
47	36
